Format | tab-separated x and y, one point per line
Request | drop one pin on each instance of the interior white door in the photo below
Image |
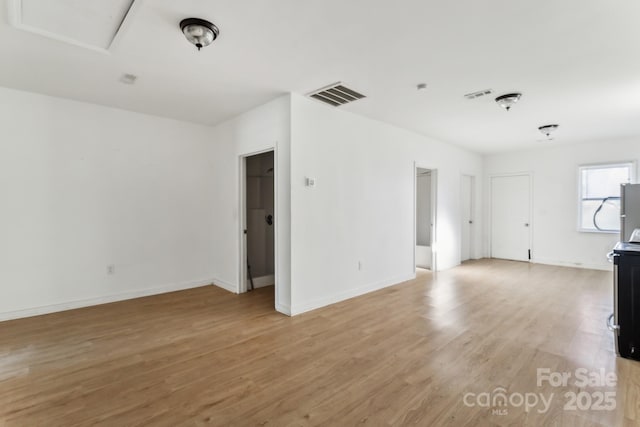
510	222
466	217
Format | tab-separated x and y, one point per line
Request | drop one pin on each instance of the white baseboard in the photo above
352	293
284	309
37	311
604	266
225	285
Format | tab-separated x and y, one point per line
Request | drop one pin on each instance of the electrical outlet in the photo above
111	269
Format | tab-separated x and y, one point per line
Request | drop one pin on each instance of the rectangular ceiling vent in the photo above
478	94
336	95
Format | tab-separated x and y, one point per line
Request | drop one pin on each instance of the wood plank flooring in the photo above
405	355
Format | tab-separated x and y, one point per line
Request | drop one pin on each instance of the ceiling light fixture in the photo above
199	32
508	100
547	130
421	86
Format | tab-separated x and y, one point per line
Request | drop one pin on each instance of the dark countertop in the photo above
627	248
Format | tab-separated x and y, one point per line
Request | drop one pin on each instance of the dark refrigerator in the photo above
625	320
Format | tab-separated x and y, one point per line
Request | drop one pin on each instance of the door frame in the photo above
434	215
472	208
528	174
242	237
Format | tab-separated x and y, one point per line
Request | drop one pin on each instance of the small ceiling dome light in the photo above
508	100
199	32
547	130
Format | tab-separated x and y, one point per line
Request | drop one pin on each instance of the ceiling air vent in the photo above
336	94
478	94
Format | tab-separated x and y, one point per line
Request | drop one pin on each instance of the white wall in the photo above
555	194
84	186
263	128
362	207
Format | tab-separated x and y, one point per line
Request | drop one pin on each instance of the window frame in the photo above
631	164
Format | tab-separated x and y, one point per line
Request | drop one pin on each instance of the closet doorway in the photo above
259	222
425	218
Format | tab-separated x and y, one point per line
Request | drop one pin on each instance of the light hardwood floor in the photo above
406	355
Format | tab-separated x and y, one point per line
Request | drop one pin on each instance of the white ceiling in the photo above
577	63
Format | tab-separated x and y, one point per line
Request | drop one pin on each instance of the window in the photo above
599	204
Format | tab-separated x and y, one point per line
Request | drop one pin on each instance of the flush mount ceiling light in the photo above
508	100
199	32
547	130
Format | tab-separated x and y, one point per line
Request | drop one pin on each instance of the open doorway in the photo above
258	260
467	225
425	218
